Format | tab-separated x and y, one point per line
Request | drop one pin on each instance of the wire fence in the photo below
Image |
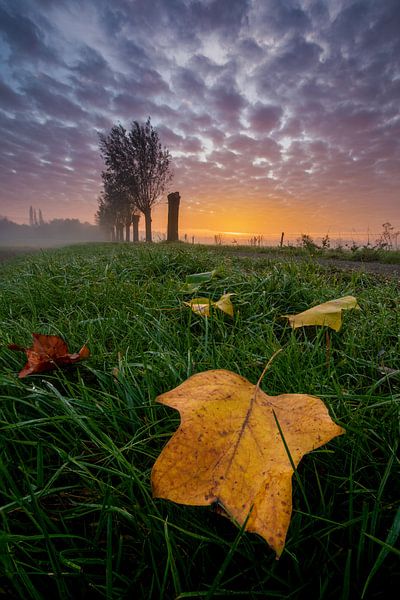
346	240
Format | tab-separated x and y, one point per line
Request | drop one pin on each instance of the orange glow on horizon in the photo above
238	233
246	218
235	216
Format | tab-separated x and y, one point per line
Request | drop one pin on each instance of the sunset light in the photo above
279	115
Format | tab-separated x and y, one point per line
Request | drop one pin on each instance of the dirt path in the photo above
367	267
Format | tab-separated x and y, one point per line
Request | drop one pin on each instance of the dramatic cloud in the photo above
278	114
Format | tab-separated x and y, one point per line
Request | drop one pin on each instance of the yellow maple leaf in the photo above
201	306
328	313
229	449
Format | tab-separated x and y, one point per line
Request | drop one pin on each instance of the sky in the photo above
280	115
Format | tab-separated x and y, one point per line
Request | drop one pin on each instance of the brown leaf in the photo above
46	353
228	449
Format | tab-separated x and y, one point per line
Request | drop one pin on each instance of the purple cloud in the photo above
264	118
291	104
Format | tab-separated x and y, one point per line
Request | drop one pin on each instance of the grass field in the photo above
77	518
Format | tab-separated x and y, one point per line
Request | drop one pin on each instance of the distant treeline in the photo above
57	231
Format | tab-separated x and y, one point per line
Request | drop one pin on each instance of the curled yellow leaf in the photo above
201	306
328	313
225	304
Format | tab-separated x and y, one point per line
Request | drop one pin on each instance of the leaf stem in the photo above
266	368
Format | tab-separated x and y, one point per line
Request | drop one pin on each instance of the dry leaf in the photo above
201	306
228	449
225	304
328	313
46	353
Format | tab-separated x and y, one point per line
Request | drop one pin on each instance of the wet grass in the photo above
77	518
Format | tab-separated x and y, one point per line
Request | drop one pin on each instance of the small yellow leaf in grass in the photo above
237	447
328	313
225	304
201	306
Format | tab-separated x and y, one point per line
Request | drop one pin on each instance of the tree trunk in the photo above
135	222
173	215
147	218
113	234
127	232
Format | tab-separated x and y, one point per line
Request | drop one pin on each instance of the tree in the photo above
115	208
41	220
31	221
105	217
137	161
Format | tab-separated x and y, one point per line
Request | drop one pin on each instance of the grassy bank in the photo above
77	445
